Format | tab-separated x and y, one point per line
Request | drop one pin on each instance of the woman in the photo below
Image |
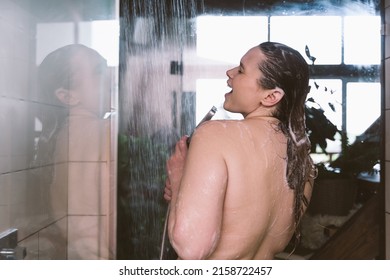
241	188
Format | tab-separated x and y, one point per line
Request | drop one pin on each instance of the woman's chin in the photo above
226	107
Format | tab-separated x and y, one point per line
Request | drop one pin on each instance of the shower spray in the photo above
207	117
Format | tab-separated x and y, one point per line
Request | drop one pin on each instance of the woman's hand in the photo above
175	167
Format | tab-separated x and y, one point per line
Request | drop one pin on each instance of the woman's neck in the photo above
261	112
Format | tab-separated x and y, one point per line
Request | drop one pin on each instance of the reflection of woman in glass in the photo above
74	78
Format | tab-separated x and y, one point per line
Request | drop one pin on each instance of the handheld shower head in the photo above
207	117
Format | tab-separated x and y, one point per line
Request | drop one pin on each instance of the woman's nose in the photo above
229	73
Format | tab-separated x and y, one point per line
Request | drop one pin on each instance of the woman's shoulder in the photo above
234	126
217	132
218	126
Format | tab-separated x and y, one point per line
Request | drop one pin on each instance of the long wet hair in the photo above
56	71
285	68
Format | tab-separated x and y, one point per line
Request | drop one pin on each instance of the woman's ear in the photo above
273	97
67	97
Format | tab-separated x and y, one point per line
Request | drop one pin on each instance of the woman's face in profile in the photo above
246	93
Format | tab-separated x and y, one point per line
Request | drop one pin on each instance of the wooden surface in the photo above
360	238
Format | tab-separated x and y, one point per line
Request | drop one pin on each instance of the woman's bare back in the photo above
258	208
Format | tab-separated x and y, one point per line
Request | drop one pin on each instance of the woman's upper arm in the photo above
199	205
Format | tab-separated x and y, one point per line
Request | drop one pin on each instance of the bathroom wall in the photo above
57	186
387	122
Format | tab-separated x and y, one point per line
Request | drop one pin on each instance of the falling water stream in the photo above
151	108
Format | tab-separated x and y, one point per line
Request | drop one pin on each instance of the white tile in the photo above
24	37
5	66
5	221
88	139
10	11
31	244
22	124
58	191
7	109
50	134
15	85
31	200
89	167
14	140
4	215
88	238
88	188
19	86
46	195
53	241
15	45
16	183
